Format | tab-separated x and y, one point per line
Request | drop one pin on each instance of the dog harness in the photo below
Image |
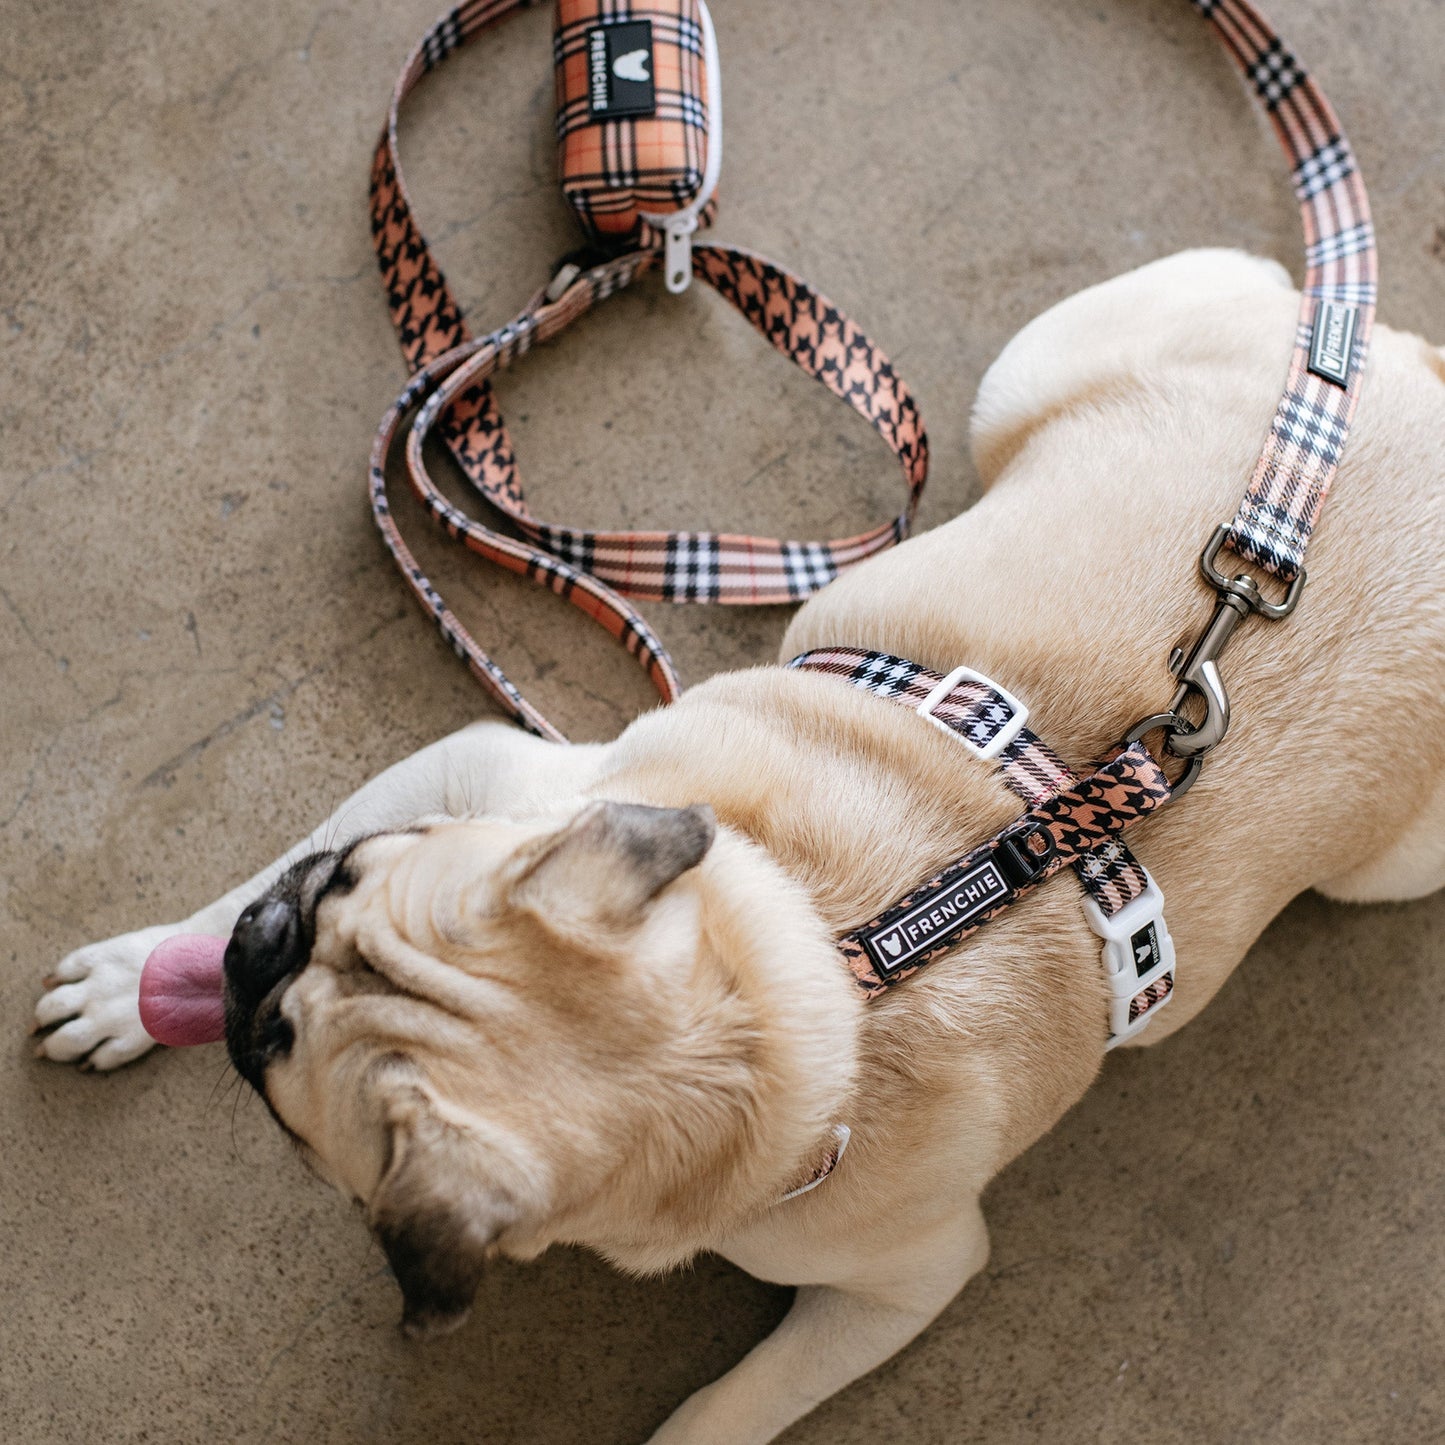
1071	819
1079	821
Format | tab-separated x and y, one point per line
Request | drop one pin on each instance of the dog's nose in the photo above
265	945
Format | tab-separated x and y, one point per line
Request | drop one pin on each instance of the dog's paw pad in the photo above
92	1003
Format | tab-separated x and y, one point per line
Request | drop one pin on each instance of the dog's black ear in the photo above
434	1214
610	862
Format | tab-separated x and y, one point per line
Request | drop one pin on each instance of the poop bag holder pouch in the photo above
639	123
639	130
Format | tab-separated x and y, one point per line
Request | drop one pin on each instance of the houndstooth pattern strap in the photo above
711	566
1293	474
585	592
1111	875
594	570
1059	830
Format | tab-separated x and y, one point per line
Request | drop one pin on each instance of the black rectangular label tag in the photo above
934	918
1333	342
1145	947
619	69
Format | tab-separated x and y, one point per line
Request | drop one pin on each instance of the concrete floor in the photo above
1237	1237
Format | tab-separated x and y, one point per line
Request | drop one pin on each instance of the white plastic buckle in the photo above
1134	937
1006	734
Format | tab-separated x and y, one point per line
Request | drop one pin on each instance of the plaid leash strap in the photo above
596	570
1292	477
1072	820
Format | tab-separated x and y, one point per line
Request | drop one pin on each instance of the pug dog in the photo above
590	994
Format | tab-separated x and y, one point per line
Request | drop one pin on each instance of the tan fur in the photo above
656	1097
648	1077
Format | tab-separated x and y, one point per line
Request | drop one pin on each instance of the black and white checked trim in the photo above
576	548
1345	293
1330	164
442	39
807	566
1310	429
989	716
690	572
1274	74
1350	242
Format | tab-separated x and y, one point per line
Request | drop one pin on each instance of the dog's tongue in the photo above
181	991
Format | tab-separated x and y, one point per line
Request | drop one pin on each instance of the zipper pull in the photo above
677	252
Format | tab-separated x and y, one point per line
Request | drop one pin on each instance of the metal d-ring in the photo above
1174	727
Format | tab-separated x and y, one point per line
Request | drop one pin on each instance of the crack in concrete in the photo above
61	664
164	775
294	1343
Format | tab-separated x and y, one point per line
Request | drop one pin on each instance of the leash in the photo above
597	570
1072	820
1080	820
1301	455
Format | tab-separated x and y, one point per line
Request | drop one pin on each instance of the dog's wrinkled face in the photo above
448	1018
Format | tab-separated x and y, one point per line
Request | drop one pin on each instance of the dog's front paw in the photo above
94	998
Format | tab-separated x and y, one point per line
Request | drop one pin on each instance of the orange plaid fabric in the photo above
614	170
598	571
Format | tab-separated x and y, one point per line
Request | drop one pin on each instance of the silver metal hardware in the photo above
1198	670
1244	586
1173	725
1198	673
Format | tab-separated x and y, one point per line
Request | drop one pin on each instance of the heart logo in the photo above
632	66
892	945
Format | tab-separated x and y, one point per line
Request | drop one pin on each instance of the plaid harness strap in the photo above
1079	821
597	570
1070	821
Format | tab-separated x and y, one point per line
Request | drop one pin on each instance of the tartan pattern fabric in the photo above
707	566
1293	474
614	170
596	571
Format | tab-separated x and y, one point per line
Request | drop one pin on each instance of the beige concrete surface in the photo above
1237	1237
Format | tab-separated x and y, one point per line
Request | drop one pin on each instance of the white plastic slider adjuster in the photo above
1006	734
1138	952
567	273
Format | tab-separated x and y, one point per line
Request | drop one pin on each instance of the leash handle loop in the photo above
595	570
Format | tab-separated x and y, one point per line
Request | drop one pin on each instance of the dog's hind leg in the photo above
91	1002
1413	866
833	1335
